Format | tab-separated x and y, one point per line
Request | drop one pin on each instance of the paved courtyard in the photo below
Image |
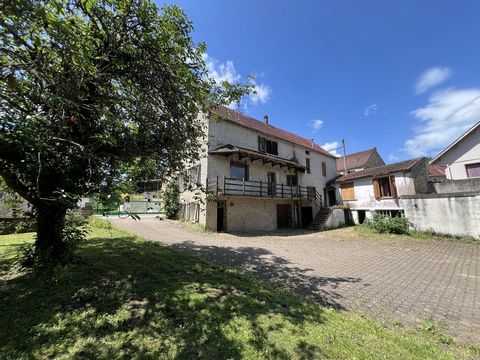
405	279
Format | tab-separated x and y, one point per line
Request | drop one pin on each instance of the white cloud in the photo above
221	71
431	77
316	124
393	158
262	94
332	147
226	72
447	115
371	110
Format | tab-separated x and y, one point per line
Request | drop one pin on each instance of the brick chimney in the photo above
265	119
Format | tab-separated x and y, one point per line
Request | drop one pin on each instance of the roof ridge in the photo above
359	152
312	144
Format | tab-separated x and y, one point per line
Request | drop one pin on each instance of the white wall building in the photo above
378	189
257	176
462	157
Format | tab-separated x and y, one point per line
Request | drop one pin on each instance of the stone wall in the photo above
336	219
455	186
450	214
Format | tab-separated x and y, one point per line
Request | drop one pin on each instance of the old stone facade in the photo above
256	177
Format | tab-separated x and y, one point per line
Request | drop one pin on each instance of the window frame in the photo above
239	164
473	166
291	177
378	189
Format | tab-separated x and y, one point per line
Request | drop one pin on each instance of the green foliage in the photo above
96	95
171	198
385	224
16	226
129	298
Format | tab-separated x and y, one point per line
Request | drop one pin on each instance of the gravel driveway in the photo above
409	280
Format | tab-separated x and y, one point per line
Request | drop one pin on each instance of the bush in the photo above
171	198
385	224
17	226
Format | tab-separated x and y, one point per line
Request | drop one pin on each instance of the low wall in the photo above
450	214
455	186
336	219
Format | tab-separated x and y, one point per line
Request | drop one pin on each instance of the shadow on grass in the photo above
127	298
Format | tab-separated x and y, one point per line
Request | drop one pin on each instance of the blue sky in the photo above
400	75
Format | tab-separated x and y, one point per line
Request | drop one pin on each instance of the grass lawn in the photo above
128	298
364	232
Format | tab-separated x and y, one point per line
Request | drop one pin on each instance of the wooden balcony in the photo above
224	186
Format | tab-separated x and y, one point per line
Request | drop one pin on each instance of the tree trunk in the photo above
49	243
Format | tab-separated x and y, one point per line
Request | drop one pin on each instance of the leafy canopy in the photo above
91	90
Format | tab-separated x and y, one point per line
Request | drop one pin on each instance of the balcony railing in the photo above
221	186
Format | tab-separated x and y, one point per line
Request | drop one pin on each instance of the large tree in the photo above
91	89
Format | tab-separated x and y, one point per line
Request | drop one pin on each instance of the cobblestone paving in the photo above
403	279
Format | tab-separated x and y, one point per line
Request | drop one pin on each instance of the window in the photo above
292	180
473	170
324	168
268	146
307	152
238	170
307	165
195	173
348	191
384	187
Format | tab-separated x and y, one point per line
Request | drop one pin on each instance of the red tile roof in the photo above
260	126
356	160
436	170
380	170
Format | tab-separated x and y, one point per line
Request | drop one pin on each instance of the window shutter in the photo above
393	187
274	148
347	191
261	144
376	189
199	168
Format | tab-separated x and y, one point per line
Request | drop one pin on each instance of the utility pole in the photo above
344	156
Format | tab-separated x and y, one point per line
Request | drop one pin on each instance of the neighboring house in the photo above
257	176
359	161
378	189
436	173
462	157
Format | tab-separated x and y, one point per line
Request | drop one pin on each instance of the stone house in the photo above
256	176
379	189
359	161
462	157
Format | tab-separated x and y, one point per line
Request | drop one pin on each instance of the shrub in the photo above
385	224
171	197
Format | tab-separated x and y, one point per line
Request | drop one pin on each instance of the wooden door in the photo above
284	216
221	215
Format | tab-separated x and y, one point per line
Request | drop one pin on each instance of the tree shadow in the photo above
127	298
264	264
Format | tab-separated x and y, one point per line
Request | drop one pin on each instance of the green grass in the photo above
366	232
128	298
